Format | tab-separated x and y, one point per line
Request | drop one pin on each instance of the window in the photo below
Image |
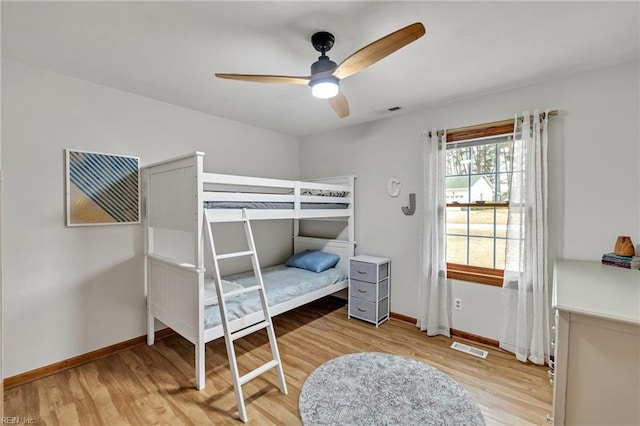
477	194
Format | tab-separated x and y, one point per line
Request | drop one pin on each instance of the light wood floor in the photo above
154	385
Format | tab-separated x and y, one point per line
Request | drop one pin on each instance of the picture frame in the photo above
101	189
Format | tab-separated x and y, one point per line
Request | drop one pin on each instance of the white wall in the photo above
68	291
593	176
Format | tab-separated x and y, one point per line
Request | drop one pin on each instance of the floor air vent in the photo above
469	350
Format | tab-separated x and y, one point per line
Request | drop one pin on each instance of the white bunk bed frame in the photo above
175	192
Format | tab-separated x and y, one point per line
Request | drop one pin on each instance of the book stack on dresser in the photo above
628	262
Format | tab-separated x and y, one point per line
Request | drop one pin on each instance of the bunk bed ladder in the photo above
231	336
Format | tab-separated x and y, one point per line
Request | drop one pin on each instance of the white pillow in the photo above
210	295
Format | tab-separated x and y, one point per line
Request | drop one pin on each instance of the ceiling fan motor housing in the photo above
323	64
323	42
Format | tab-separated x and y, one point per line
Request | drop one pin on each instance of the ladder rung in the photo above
236	254
241	291
258	371
251	329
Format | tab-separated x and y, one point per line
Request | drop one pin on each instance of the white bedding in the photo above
210	294
282	283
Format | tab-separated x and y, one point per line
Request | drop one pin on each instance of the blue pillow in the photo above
313	260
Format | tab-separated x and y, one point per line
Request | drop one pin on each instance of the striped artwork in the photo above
102	189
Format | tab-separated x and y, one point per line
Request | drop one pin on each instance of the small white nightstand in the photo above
369	280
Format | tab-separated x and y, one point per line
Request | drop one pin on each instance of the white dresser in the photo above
596	374
369	278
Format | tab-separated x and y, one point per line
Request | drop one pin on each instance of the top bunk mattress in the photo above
276	199
270	205
282	283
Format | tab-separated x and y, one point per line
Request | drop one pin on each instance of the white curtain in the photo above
433	295
525	300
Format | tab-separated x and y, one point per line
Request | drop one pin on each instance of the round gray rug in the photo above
381	389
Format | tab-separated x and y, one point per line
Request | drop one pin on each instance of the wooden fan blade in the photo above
266	78
340	105
379	49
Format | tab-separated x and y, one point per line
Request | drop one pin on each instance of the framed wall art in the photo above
102	189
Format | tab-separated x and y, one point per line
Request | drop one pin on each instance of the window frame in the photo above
478	274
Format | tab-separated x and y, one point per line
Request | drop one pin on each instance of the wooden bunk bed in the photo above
180	199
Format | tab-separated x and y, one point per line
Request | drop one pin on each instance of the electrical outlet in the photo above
457	303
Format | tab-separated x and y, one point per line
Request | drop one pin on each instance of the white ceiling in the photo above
169	51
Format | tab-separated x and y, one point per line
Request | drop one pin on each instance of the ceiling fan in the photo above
326	75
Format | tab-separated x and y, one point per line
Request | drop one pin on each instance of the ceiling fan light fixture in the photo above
325	87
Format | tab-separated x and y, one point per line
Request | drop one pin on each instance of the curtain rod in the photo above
492	124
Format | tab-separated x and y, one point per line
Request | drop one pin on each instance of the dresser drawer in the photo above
366	310
367	271
367	291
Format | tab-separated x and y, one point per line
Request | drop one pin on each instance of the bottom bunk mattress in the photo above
282	283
